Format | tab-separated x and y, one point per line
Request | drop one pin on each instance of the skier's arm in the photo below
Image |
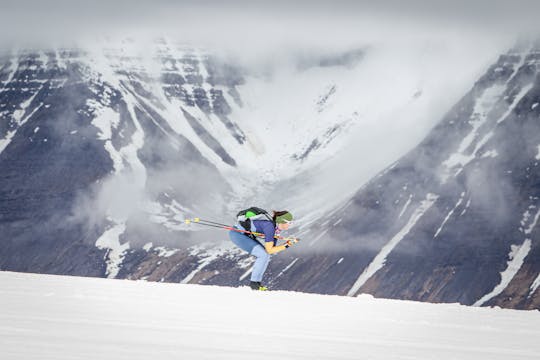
269	232
273	249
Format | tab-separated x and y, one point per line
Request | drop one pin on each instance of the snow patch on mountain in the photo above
130	176
12	69
483	105
466	207
110	241
206	256
165	252
107	120
161	251
490	153
533	223
405	207
290	265
481	115
379	261
524	90
449	214
528	222
19	119
516	257
534	285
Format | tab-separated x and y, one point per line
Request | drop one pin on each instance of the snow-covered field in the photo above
56	317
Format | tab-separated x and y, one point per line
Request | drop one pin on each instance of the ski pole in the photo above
225	227
217	224
228	227
208	221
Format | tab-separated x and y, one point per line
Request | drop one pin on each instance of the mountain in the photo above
111	147
66	317
456	219
106	149
65	131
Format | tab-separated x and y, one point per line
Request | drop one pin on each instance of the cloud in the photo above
264	24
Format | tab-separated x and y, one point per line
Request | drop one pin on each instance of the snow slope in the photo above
55	317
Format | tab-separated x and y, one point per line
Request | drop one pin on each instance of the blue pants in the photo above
254	248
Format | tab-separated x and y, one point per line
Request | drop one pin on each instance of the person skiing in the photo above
259	221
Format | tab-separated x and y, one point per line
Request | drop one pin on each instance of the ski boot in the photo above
256	285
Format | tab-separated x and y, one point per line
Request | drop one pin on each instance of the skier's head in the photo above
283	219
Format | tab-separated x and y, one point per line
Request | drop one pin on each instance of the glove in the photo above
290	242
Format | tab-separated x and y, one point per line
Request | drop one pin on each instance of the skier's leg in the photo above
263	258
254	248
242	241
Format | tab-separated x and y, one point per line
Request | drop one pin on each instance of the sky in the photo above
255	31
258	23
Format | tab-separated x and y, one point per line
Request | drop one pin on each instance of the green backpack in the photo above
245	217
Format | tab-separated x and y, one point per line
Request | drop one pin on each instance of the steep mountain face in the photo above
84	152
105	151
456	219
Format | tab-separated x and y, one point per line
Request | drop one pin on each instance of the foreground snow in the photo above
56	317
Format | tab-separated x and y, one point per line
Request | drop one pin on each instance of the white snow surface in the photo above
61	317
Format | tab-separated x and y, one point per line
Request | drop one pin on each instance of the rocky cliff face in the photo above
103	154
74	138
456	219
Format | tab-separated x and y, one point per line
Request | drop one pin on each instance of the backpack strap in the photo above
245	217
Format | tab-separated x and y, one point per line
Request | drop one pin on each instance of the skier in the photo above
258	220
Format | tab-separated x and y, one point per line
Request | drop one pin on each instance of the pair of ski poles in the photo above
289	240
